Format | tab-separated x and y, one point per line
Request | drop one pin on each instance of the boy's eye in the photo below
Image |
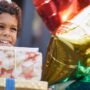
1	27
14	29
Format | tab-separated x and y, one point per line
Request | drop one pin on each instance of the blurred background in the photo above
34	32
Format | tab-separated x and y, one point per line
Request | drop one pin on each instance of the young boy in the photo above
10	22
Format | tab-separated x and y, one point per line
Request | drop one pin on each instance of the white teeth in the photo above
4	42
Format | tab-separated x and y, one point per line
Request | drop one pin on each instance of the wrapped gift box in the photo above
25	85
20	62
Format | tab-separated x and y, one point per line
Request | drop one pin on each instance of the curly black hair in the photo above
13	9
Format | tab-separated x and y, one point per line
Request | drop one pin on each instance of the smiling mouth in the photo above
5	43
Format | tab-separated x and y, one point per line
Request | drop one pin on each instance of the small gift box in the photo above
20	63
18	84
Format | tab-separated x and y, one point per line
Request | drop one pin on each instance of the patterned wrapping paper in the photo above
20	63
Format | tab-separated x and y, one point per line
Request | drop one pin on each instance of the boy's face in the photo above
8	29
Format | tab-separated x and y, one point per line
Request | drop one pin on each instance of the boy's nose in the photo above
6	33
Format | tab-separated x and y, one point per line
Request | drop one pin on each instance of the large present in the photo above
68	54
19	84
20	63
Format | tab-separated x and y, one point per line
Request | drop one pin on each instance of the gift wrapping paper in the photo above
20	63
